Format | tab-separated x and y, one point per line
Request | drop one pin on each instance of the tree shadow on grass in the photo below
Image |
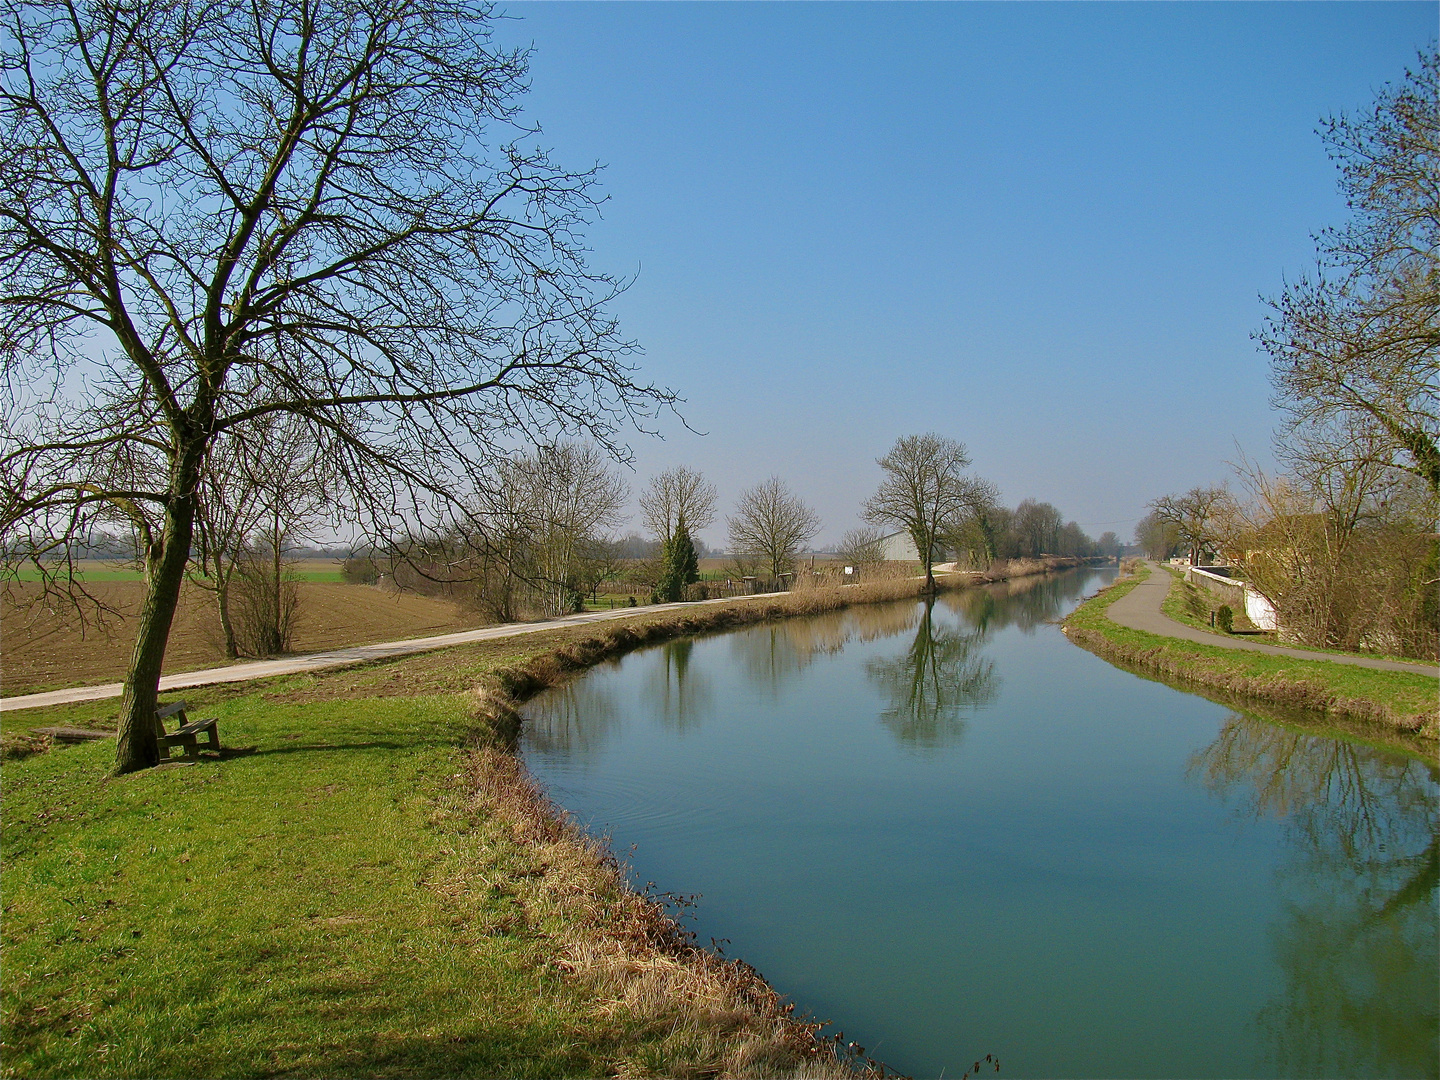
311	748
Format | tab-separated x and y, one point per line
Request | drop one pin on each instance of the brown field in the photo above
47	649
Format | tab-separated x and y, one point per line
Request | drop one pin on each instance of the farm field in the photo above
92	570
50	649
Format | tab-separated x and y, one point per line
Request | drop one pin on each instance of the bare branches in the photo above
1195	516
674	495
771	524
924	490
221	211
1359	341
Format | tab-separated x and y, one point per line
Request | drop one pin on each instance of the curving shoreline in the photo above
1388	696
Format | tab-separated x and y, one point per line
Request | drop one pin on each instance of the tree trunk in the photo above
135	747
222	602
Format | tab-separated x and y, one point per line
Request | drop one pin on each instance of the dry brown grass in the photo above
702	1015
45	649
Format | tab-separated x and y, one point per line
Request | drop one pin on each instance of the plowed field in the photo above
44	649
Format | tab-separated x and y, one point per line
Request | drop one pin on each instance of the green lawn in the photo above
1404	694
339	902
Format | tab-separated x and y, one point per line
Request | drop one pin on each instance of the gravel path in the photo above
358	654
1140	610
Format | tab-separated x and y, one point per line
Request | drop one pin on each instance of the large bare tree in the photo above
770	525
1358	341
674	495
925	488
573	500
216	211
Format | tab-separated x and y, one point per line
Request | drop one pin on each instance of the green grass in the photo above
334	903
1403	693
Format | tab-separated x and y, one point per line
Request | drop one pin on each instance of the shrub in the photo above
1225	618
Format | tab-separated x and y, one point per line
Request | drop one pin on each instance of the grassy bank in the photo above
1188	604
1393	700
372	886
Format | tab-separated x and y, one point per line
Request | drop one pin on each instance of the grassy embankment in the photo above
1191	605
376	887
1389	701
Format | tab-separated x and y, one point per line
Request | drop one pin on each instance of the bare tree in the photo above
219	212
1195	517
1157	536
863	546
1345	553
771	525
1037	526
925	487
1360	339
674	494
573	498
264	483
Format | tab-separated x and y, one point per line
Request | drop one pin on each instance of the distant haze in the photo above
1042	230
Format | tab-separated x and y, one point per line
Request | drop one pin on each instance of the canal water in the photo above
950	832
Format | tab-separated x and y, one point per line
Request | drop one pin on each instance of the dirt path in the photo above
333	658
1140	610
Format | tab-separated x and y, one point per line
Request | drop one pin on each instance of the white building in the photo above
898	547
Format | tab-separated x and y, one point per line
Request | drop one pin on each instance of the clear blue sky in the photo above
1041	229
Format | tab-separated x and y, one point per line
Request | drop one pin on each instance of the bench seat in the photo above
186	736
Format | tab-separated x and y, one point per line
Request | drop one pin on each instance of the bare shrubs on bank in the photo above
1347	556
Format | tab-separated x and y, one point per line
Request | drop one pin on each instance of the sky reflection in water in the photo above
953	833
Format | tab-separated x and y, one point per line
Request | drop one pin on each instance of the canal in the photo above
950	832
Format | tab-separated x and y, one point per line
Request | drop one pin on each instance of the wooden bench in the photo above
186	736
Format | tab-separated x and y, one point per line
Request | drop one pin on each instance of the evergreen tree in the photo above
687	564
679	566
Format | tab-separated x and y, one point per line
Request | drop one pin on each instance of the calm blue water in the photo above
952	833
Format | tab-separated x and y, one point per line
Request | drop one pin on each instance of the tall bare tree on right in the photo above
1359	340
925	488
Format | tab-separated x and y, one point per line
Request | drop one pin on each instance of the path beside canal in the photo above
1140	610
335	658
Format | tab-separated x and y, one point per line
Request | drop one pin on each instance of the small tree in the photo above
925	487
863	547
1158	537
679	565
770	525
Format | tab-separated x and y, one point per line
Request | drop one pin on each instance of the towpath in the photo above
1140	610
357	654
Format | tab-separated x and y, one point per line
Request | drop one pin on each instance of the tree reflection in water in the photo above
682	695
1357	942
1025	603
934	683
572	720
771	655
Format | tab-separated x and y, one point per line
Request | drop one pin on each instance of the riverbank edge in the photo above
1174	659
